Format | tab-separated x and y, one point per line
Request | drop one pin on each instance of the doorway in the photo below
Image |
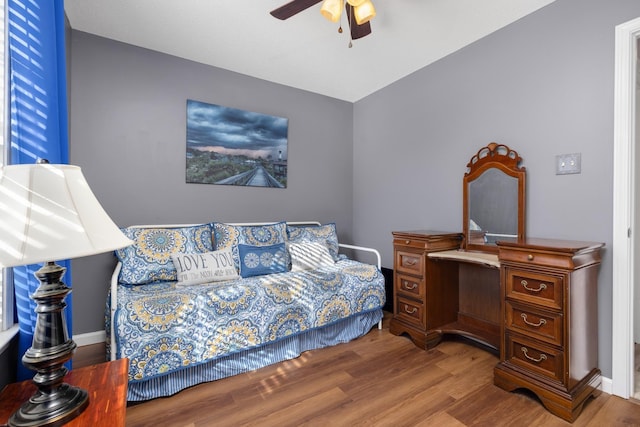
626	66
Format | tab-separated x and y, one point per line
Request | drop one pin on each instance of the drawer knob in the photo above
406	242
405	284
530	257
533	359
410	261
536	325
525	284
406	309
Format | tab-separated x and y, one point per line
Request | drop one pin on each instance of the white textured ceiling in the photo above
305	51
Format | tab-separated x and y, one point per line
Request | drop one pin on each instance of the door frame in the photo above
626	51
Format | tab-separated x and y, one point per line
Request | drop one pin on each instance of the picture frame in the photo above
230	146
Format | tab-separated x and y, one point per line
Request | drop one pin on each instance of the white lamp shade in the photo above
331	9
48	213
364	12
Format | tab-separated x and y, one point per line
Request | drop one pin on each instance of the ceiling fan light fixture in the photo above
331	9
365	12
356	3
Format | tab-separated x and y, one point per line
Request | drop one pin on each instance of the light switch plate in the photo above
568	164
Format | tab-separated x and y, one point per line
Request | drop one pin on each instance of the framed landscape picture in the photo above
229	146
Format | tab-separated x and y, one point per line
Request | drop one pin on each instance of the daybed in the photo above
197	303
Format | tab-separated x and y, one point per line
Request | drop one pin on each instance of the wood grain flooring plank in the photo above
491	405
469	380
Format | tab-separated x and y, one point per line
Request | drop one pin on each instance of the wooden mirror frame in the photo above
508	161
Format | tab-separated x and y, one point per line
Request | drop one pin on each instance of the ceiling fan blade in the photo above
296	6
357	31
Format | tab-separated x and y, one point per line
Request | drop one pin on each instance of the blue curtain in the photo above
38	122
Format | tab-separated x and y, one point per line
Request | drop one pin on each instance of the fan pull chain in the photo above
340	30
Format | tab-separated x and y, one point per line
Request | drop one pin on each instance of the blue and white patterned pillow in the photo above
325	234
149	258
259	260
230	236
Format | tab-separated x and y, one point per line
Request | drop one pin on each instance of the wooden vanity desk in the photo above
538	309
532	301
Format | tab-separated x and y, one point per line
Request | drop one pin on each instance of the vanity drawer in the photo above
409	262
543	325
411	286
534	287
410	311
535	357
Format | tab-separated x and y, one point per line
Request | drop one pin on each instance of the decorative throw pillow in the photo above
309	256
149	258
259	260
324	234
205	267
230	236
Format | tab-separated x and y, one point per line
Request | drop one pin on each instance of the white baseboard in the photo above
607	385
90	338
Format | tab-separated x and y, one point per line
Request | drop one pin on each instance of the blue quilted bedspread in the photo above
162	327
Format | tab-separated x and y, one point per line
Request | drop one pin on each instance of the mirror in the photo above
493	198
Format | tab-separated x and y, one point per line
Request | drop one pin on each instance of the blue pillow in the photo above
259	260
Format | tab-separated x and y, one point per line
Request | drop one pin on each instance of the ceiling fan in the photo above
359	13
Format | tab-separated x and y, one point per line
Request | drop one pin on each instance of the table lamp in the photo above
48	213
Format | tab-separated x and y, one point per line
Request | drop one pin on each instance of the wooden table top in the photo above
106	384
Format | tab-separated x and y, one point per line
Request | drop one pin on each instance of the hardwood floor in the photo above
377	380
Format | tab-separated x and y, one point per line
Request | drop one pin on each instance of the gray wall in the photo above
127	132
543	86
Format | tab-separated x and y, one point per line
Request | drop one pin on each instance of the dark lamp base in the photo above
53	409
55	402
